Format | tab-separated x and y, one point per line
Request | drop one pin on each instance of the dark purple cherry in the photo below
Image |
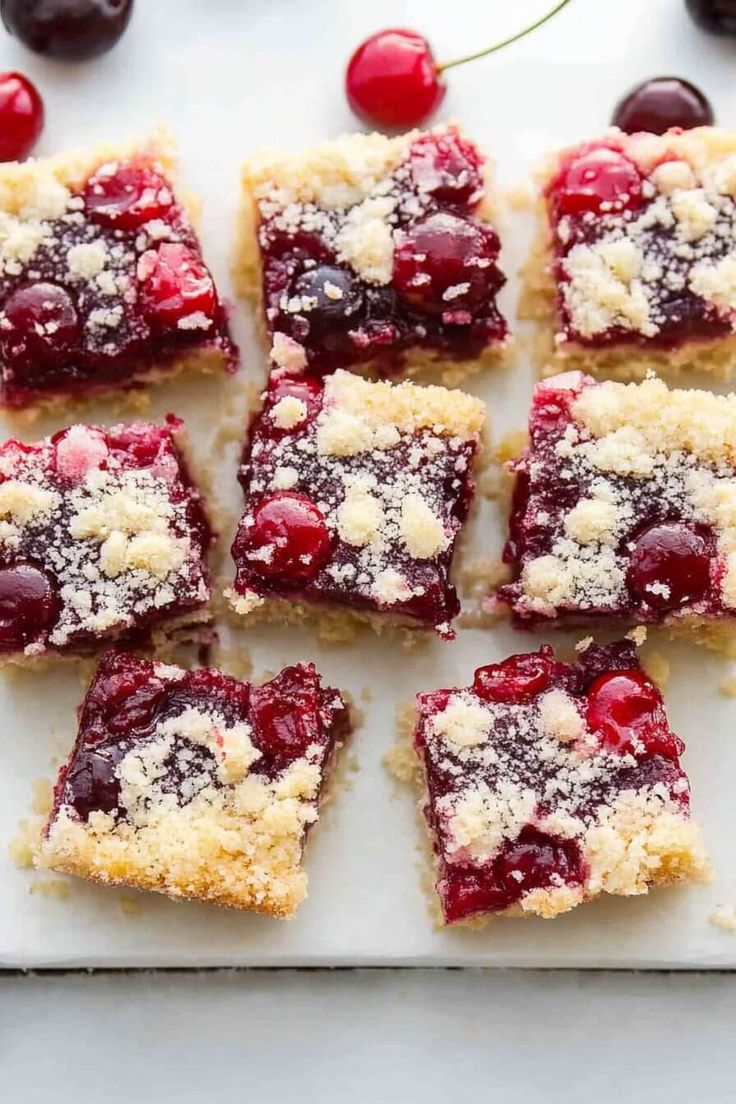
716	16
29	605
669	565
73	30
332	296
657	104
91	783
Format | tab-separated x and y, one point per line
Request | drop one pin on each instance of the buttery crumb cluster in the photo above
355	493
625	506
196	785
374	250
101	533
549	783
102	281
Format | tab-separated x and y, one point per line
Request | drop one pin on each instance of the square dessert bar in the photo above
355	492
193	784
625	508
635	267
375	252
550	783
102	535
102	282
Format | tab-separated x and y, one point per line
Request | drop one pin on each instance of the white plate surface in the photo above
231	76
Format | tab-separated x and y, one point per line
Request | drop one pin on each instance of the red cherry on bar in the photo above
21	116
393	81
660	103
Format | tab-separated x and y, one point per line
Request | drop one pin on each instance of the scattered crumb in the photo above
657	666
584	644
479	577
521	197
724	917
728	686
400	760
366	694
511	445
129	906
54	888
43	796
638	635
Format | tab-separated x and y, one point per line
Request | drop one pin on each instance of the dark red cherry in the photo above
660	103
625	711
288	538
446	167
669	566
333	300
279	727
516	679
126	195
715	16
40	324
175	284
29	605
73	30
600	180
307	389
392	80
21	116
91	783
137	710
441	265
536	860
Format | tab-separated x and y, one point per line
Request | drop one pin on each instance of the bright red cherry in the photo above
625	711
29	605
73	30
307	389
392	80
660	103
79	450
446	167
21	116
279	725
669	566
535	860
175	284
445	265
600	180
40	324
288	537
125	196
517	678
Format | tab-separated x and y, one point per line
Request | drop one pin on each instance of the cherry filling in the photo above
126	196
286	717
599	180
670	566
625	710
333	303
441	266
175	284
288	538
40	325
447	167
29	605
306	389
518	678
79	450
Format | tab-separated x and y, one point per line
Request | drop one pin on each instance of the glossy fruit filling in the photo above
624	737
129	698
115	288
441	294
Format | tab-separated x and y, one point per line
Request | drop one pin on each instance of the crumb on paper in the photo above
129	906
366	694
724	917
728	686
637	635
584	644
511	445
480	576
43	796
55	889
657	666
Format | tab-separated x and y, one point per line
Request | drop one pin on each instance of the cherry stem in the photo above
506	42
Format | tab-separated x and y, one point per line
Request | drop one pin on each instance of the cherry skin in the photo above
126	196
536	860
669	566
41	324
21	116
392	80
516	679
307	389
79	450
336	298
292	534
29	605
442	263
175	284
660	103
715	16
446	167
601	179
72	30
92	784
625	711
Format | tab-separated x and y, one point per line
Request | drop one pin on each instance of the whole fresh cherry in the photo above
21	116
715	16
660	103
73	30
393	81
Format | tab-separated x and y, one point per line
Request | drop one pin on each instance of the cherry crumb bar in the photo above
102	282
636	265
103	535
624	508
355	492
550	783
375	252
193	784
